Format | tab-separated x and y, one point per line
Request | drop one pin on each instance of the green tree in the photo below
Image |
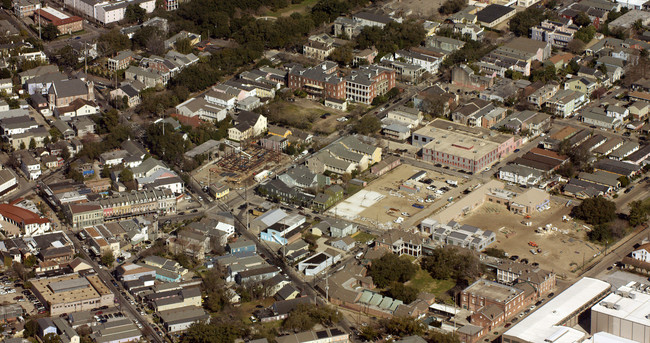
49	32
601	234
391	268
51	338
398	290
369	333
367	125
106	171
184	45
135	13
109	43
595	211
66	57
585	34
521	22
218	331
451	263
126	175
402	326
638	213
494	252
342	55
582	19
30	261
22	146
624	181
305	316
31	327
107	259
32	144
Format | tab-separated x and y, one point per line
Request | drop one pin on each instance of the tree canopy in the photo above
305	316
391	268
451	263
134	13
521	22
595	211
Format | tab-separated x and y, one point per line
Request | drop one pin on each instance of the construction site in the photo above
239	164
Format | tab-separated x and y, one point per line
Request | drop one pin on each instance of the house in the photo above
396	131
535	123
566	102
148	78
242	245
326	335
465	76
584	85
180	319
345	243
318	262
410	117
344	155
639	110
83	126
121	61
517	55
558	33
248	125
30	166
401	242
597	119
128	92
300	176
522	175
642	253
191	242
76	109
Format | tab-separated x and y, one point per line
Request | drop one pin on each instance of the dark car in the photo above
539	302
550	295
514	257
629	190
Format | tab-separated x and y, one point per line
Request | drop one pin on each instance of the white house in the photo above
319	262
643	253
30	167
520	174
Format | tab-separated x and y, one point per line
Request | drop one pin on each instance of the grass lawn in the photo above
363	237
425	283
301	7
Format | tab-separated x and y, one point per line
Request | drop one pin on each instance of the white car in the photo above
406	214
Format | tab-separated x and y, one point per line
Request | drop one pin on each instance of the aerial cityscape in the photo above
325	171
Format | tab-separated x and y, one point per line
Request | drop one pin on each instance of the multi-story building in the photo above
454	234
318	47
543	281
624	313
401	242
566	102
29	222
63	93
64	23
368	82
558	33
484	293
26	8
540	96
320	82
517	55
72	293
462	147
121	61
107	12
85	215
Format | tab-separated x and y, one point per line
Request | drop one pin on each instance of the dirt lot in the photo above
421	8
305	114
391	201
563	250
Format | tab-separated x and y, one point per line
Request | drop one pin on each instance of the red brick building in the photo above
321	81
64	23
368	82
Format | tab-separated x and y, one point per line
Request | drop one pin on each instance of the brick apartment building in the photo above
321	81
368	82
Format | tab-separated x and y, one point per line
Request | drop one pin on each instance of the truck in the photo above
263	175
452	183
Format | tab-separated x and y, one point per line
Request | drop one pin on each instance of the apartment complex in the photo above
558	33
368	82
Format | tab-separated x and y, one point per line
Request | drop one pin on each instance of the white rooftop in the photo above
55	13
605	337
542	325
626	303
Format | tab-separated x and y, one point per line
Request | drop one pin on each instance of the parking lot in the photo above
383	205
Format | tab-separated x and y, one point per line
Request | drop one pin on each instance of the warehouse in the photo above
624	313
553	322
64	23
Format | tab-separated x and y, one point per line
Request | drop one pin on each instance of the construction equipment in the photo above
533	244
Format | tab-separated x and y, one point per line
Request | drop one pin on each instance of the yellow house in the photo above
583	85
279	131
219	190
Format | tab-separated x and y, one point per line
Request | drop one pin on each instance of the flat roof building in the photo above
72	293
553	322
624	313
461	147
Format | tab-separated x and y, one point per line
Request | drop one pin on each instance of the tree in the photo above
452	6
135	13
582	19
31	327
595	211
399	291
126	175
107	259
49	32
624	181
51	338
576	46
391	268
305	316
30	261
451	263
66	57
184	45
402	326
638	213
342	55
22	146
111	42
521	22
494	252
32	144
218	331
585	34
106	171
367	125
369	333
151	39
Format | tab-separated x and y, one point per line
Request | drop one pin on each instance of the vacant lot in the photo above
563	248
381	202
304	114
420	8
293	8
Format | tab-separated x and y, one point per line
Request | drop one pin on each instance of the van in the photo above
452	183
